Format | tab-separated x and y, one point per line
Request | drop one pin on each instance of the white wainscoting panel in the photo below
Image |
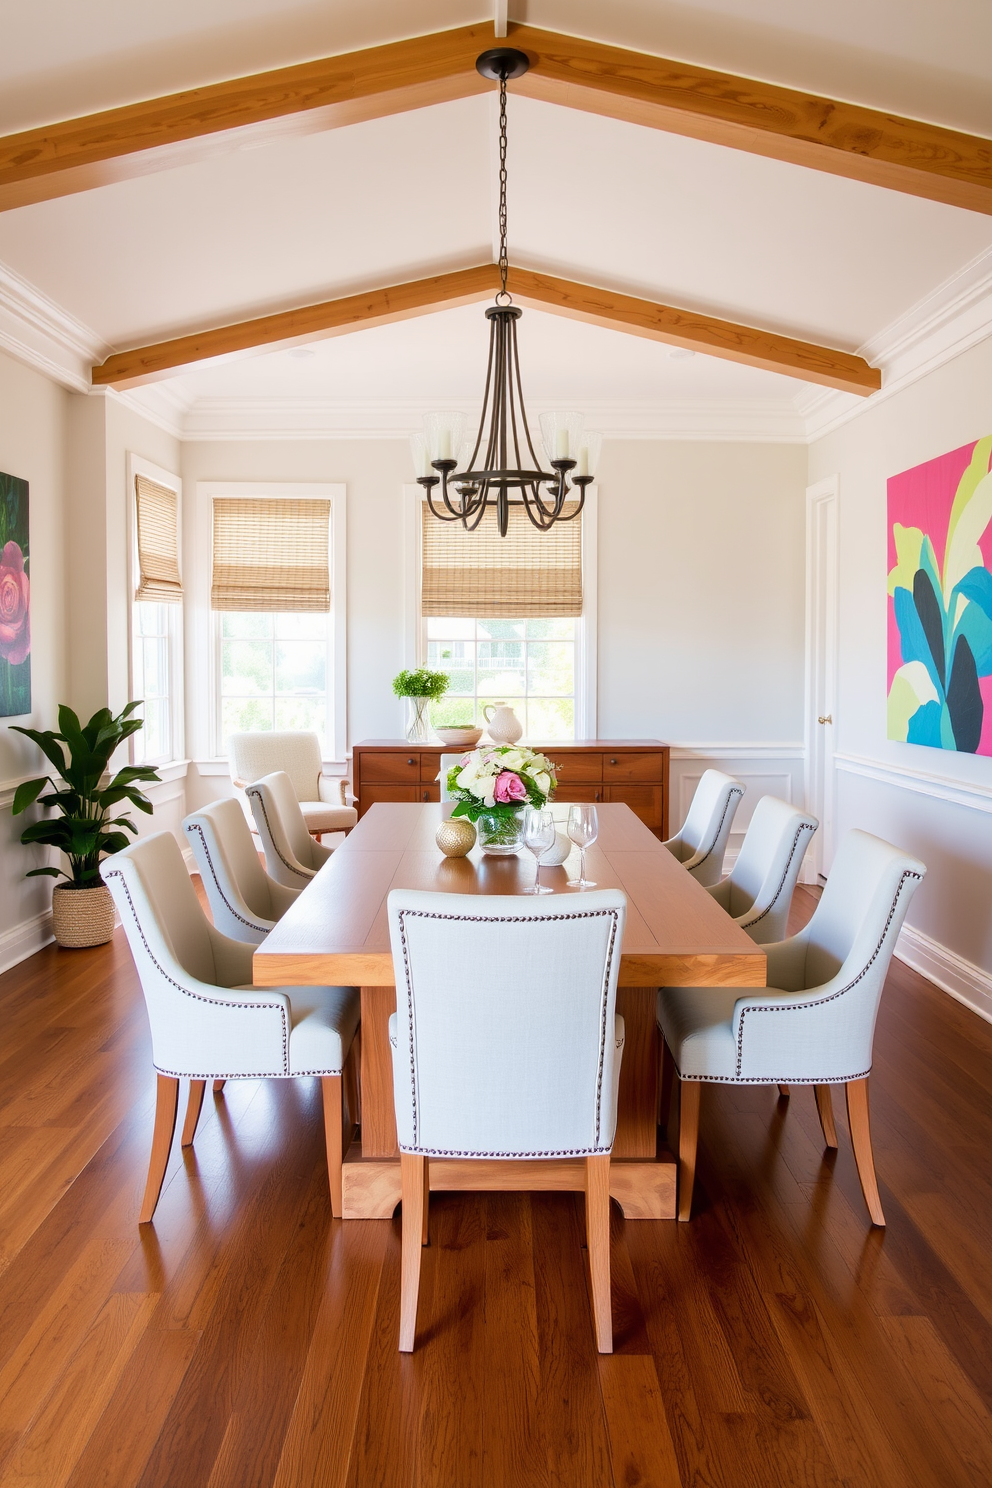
763	769
22	940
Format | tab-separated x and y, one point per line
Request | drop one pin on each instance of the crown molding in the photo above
37	331
160	403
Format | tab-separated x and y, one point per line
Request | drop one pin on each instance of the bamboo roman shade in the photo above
158	543
480	574
270	554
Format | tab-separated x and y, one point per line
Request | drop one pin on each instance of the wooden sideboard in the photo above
634	771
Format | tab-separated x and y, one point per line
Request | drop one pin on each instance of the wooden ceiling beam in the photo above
826	134
618	312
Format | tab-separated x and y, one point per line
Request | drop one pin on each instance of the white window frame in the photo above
586	626
138	465
204	630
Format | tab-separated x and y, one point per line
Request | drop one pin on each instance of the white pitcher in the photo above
504	726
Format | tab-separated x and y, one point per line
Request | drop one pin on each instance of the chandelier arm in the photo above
541	519
523	410
439	514
485	396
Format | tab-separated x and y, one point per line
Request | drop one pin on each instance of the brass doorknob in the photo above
825	718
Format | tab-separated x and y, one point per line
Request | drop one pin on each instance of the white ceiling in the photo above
592	199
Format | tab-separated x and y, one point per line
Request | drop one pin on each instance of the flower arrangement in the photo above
499	780
421	684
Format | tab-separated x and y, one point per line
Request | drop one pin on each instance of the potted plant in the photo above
81	825
422	688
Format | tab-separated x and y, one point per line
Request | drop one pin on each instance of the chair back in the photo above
447	761
282	829
856	924
767	869
505	1023
706	829
296	753
239	891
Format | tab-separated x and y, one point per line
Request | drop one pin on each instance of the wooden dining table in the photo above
337	934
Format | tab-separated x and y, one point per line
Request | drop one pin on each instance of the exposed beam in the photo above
825	134
619	312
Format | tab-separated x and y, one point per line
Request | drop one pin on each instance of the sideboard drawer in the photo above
581	768
373	793
430	767
643	800
391	769
633	767
568	792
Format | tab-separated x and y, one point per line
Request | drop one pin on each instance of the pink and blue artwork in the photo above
940	602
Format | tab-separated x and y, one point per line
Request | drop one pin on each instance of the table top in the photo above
337	932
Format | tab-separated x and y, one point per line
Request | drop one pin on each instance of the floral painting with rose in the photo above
15	595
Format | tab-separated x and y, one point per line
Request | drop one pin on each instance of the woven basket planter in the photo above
82	917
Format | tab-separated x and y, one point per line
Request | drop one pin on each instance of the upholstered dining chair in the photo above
506	1045
701	844
758	893
321	798
292	856
447	760
244	901
207	1020
814	1023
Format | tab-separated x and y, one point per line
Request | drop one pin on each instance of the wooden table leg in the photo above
637	1108
378	1118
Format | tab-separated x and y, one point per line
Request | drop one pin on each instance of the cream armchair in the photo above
322	798
758	893
244	901
506	1044
702	842
208	1022
292	856
814	1023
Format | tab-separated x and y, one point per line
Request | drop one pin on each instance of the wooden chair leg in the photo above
219	1086
665	1085
689	1093
598	1241
857	1116
193	1108
331	1090
825	1111
166	1106
412	1181
784	1092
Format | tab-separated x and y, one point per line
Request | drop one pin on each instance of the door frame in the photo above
822	605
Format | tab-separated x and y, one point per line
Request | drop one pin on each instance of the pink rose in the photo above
509	787
15	630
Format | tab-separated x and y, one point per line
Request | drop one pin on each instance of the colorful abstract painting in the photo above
940	602
15	596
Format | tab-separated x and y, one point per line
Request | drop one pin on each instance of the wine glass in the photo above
583	828
539	835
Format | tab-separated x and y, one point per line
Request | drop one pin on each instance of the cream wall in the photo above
902	791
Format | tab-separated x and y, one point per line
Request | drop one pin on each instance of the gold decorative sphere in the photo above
456	837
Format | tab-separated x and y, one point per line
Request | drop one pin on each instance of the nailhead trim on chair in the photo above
195	827
737	790
300	872
198	997
803	827
588	914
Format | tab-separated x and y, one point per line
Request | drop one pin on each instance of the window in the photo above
273	670
528	663
156	639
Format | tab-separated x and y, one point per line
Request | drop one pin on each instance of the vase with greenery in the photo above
422	688
81	825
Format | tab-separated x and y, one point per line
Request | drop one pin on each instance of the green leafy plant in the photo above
83	828
420	683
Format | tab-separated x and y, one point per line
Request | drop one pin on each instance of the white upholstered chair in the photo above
702	842
758	893
321	798
815	1022
244	901
207	1020
292	856
506	1045
447	760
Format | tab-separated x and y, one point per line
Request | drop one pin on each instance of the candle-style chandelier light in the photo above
509	461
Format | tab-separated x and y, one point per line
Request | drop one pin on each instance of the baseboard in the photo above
961	979
24	939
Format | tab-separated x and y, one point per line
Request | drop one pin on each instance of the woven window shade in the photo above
482	575
270	554
158	543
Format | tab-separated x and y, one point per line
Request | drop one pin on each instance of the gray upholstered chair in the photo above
321	798
506	1045
292	857
208	1022
758	893
244	901
702	842
815	1021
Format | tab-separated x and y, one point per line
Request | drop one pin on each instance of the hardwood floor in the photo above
246	1339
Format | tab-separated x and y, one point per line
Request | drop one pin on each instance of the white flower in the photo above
543	781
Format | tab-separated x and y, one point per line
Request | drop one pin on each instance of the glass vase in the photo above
500	833
418	725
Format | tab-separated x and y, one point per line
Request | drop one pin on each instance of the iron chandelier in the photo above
509	461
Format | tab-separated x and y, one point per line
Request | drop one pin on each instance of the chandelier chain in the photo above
503	261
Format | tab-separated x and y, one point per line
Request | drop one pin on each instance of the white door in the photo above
821	669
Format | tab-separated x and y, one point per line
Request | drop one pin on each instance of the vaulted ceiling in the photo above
682	221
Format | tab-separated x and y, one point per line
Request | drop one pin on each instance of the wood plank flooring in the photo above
248	1340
